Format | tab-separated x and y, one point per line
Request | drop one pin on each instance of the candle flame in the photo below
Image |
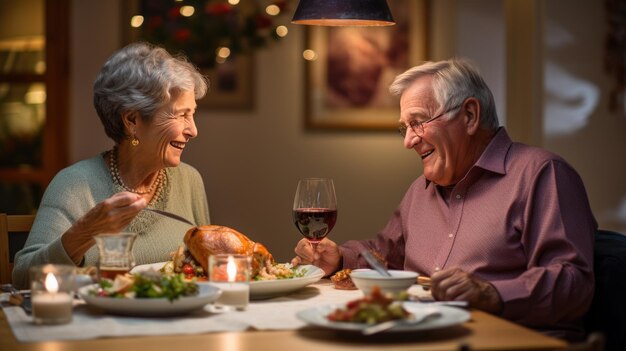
51	283
231	269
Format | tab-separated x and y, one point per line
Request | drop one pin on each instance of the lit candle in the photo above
233	294
51	306
236	289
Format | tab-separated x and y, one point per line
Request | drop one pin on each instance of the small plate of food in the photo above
148	294
269	278
376	308
288	280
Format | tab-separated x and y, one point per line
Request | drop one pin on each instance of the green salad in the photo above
148	284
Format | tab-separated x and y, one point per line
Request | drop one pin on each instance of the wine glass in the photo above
315	209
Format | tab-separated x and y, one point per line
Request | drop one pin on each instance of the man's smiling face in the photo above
444	144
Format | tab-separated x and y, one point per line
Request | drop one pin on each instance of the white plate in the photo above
450	316
145	267
151	306
265	289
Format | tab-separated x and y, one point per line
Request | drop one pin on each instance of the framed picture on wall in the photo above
349	69
216	36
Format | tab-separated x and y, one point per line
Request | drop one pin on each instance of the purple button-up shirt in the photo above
519	219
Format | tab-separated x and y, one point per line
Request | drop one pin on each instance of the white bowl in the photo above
366	279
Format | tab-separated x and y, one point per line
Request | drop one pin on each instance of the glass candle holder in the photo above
52	293
231	274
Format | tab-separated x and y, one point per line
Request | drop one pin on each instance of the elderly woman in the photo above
146	100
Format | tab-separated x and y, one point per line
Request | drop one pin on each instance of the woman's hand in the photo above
109	216
327	256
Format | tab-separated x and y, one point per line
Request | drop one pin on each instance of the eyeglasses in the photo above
418	127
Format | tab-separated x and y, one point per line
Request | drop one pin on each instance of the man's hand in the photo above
327	256
457	285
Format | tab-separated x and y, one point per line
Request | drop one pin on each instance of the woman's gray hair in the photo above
453	81
141	77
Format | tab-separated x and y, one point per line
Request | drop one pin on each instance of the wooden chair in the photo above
11	225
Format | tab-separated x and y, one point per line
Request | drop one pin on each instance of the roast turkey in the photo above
207	240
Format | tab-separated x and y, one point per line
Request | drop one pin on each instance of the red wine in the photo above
314	223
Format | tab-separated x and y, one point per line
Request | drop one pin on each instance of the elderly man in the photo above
502	225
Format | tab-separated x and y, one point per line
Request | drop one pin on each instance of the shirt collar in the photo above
494	155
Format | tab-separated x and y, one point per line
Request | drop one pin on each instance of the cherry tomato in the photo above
188	269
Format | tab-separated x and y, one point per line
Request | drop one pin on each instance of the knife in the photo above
375	263
170	215
18	298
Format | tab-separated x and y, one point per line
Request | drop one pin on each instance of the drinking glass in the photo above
315	208
115	254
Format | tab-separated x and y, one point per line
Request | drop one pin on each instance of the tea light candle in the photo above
234	284
51	306
235	295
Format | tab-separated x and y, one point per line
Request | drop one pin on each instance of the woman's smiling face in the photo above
443	145
164	138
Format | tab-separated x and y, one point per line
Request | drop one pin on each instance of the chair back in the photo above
12	226
607	313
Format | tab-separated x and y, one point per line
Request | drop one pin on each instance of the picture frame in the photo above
231	83
349	69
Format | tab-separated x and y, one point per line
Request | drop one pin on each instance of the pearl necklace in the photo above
117	179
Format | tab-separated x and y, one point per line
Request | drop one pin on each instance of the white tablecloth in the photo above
273	314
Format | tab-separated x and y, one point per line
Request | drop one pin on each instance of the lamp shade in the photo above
343	13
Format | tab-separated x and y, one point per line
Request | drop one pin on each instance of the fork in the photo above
17	297
377	328
169	215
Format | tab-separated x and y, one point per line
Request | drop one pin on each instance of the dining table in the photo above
269	324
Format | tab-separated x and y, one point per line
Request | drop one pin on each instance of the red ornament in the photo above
217	9
182	35
174	12
155	22
282	5
263	21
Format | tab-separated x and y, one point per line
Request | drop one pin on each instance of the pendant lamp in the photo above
343	13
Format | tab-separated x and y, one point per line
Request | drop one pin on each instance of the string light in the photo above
282	31
309	55
187	11
136	21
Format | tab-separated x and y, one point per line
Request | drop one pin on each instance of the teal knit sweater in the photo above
77	189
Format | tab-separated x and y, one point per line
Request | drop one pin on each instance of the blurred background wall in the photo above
251	161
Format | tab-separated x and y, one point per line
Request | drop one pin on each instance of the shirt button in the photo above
458	196
450	235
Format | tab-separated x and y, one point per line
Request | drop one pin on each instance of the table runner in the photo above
274	314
